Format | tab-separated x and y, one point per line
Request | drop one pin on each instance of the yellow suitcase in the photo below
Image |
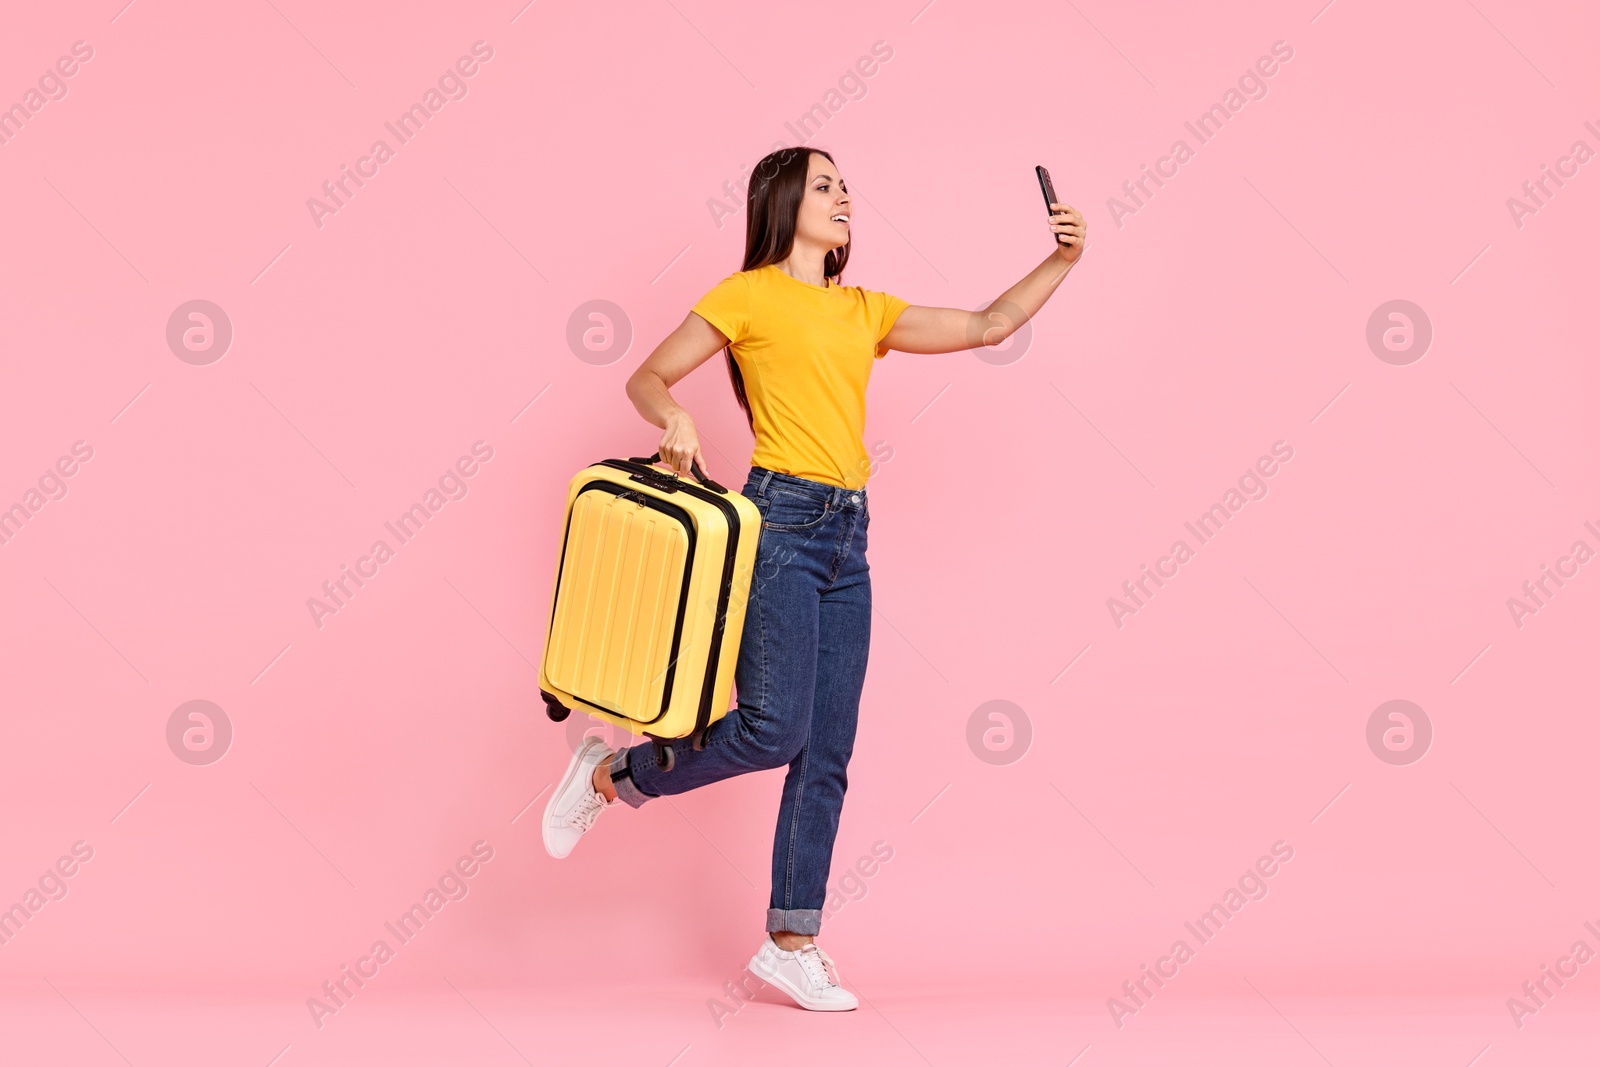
649	601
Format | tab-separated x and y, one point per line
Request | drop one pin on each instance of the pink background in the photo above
1227	313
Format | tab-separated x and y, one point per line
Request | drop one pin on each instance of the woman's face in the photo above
824	215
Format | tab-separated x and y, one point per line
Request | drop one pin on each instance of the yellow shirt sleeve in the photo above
886	310
727	307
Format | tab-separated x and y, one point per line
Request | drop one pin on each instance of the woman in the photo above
800	348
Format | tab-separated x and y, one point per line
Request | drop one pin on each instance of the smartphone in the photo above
1048	190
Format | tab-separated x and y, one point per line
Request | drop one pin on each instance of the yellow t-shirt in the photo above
805	352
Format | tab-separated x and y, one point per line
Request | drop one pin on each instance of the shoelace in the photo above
819	966
585	812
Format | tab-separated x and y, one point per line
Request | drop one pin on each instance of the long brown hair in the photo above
772	205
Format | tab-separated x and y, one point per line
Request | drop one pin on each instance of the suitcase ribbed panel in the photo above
617	605
631	581
639	615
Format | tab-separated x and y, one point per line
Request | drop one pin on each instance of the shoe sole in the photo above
573	769
777	981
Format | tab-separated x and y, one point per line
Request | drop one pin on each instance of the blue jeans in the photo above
802	662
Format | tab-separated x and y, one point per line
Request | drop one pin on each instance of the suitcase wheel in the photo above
664	757
699	741
554	708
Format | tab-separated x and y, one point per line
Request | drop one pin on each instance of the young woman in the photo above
800	347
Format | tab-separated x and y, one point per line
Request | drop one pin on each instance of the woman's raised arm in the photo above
931	329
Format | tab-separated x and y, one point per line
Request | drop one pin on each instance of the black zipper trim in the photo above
683	595
724	591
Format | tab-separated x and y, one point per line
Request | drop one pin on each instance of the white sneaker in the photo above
807	975
575	804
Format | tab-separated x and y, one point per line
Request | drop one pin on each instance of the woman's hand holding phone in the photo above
1065	220
1068	226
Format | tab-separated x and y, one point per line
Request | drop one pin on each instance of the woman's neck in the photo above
805	263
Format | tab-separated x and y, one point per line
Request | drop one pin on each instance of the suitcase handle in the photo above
694	468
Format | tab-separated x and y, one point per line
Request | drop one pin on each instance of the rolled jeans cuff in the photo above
794	920
622	781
